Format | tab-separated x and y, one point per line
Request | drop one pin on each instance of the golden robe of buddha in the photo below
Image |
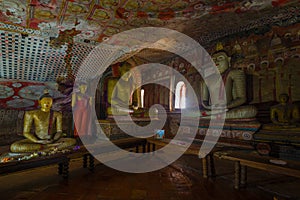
284	115
44	137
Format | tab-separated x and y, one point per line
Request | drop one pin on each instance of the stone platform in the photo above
279	143
113	131
238	132
242	129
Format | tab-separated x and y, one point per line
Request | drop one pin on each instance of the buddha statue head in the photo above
283	98
222	60
46	101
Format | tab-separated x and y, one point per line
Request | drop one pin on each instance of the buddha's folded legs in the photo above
28	146
242	112
63	143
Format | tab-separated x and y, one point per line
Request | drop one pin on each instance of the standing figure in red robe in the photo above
81	104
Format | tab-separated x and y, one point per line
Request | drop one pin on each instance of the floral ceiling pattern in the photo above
41	40
97	20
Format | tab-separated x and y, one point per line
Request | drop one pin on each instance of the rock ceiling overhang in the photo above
27	26
98	20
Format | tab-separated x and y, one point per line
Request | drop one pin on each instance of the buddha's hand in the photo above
216	111
219	107
48	137
45	141
206	106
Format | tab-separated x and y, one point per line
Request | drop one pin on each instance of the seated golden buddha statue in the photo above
121	97
235	90
44	137
284	115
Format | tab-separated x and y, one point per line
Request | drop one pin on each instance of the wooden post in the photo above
60	168
212	165
144	148
148	147
204	167
65	169
85	158
153	147
91	163
243	176
237	175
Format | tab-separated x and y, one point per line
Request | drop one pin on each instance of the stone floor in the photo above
180	180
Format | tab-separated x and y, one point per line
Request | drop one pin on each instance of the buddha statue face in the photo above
222	61
283	98
46	104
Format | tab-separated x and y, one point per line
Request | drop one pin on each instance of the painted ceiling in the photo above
41	40
98	20
44	39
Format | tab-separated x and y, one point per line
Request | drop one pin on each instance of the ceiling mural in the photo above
43	40
24	95
270	61
98	20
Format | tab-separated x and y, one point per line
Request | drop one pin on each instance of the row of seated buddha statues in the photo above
122	101
284	116
120	93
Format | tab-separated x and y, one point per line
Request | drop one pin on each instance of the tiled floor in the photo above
181	180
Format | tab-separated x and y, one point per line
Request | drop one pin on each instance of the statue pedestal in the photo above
235	133
279	143
239	129
113	131
282	128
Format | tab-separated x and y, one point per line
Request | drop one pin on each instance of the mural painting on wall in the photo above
156	93
191	75
98	20
272	60
21	95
